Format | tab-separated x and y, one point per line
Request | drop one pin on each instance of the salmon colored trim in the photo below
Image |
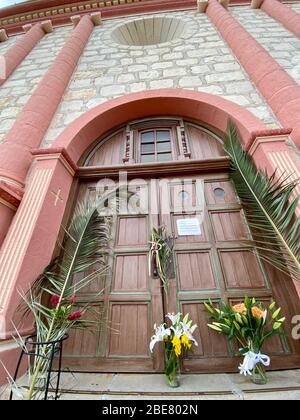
17	52
144	6
212	110
10	194
268	133
53	151
283	14
279	89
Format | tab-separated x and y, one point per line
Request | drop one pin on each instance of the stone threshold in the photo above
282	385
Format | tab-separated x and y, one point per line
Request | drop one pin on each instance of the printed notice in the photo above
188	227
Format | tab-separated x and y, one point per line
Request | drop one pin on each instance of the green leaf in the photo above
277	325
214	327
271	307
208	308
276	313
84	251
269	208
237	326
281	320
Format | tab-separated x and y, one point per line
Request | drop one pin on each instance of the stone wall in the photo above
15	92
199	60
4	46
278	41
295	6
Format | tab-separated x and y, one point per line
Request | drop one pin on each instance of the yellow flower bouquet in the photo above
176	337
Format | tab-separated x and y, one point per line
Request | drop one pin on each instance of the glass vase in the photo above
173	380
259	376
172	367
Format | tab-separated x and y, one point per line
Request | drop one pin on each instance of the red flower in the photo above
54	301
73	299
74	315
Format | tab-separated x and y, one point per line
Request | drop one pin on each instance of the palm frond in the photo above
84	259
161	253
269	207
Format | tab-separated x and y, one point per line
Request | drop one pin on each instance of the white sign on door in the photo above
188	227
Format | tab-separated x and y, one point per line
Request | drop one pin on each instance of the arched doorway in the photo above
179	176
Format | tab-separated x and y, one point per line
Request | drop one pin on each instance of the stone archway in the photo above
212	110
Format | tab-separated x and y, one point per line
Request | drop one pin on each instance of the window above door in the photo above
156	140
155	146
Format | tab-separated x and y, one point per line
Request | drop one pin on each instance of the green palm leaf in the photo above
269	208
82	260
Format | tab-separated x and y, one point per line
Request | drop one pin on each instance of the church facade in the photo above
97	90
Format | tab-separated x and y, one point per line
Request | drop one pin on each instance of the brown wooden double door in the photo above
209	262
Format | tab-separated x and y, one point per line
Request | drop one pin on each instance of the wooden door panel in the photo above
132	231
110	152
99	283
195	271
220	192
241	269
203	145
183	197
215	264
229	226
131	273
129	334
85	342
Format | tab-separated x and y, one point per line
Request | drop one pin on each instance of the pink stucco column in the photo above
28	247
272	153
31	125
283	14
279	89
17	52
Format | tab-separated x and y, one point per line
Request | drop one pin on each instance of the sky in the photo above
6	3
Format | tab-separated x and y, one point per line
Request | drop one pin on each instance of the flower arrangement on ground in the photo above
250	323
176	337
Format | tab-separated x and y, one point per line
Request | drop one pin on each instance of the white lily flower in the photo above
265	316
177	331
160	334
188	330
173	318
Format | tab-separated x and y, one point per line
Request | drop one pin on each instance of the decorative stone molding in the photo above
129	146
183	142
64	9
255	4
202	5
27	27
148	31
224	3
10	195
281	133
75	19
265	140
3	35
96	18
58	153
47	26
